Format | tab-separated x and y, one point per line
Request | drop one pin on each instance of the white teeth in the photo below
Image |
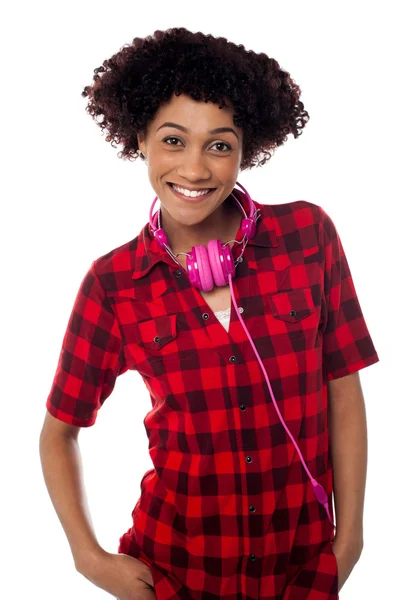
189	193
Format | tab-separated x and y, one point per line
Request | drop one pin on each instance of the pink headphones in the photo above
210	266
214	265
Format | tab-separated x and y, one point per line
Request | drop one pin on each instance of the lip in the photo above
189	198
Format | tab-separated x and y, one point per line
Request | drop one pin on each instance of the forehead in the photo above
196	115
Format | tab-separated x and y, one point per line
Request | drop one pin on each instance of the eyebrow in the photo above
217	130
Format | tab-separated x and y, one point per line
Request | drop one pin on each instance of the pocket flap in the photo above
292	305
155	333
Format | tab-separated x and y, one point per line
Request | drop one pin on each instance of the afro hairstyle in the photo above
129	88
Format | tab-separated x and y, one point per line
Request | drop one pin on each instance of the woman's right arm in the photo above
63	474
120	574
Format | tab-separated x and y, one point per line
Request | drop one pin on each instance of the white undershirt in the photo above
223	317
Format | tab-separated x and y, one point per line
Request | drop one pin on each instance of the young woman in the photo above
250	346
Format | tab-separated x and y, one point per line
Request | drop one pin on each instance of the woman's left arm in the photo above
348	441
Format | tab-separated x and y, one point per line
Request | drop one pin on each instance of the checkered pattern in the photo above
227	511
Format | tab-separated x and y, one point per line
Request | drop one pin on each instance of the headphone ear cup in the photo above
202	276
220	269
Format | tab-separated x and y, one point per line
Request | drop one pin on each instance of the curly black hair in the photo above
142	76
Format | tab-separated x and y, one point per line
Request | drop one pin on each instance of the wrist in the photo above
351	547
86	562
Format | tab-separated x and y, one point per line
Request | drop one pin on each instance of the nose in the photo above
194	167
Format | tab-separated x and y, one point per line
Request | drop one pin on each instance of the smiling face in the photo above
183	147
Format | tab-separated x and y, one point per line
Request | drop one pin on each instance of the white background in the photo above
67	199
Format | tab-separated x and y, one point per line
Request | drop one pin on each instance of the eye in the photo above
223	144
228	147
171	138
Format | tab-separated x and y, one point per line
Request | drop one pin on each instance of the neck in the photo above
222	224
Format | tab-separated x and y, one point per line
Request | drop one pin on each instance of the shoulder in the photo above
114	268
290	218
302	210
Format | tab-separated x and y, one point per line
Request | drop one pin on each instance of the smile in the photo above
190	195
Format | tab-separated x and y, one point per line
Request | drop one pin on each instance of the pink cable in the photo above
318	489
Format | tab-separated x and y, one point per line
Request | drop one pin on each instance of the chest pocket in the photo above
156	333
293	322
158	344
292	305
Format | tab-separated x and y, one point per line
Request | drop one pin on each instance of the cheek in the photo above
162	160
226	168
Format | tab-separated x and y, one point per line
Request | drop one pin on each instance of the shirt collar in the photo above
149	253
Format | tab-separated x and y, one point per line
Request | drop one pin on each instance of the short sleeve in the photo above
347	344
91	356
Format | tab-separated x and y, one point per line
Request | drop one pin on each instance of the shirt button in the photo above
248	459
252	556
232	359
156	339
177	273
205	316
240	259
240	309
252	508
243	407
293	313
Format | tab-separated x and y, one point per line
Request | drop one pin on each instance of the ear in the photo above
141	143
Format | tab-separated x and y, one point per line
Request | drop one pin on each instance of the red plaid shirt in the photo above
228	510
